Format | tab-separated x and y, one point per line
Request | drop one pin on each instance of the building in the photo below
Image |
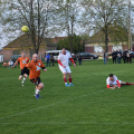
118	39
23	43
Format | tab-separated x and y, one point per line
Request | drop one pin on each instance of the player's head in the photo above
23	54
35	57
63	50
111	76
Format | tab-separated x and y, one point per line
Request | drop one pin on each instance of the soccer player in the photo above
35	68
63	59
113	82
24	72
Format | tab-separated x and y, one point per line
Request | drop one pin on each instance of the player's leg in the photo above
126	83
38	89
63	70
69	75
25	74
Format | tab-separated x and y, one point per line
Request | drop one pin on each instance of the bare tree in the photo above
36	14
103	14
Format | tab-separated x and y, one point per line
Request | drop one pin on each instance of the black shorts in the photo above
25	70
36	81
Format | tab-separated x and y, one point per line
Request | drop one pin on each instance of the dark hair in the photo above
111	75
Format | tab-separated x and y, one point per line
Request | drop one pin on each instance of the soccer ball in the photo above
25	29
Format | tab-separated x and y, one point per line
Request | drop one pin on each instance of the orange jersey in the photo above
23	61
35	68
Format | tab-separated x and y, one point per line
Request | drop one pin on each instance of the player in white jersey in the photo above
113	82
63	59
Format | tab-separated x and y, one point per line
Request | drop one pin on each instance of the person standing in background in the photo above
124	56
119	55
79	59
47	59
52	59
75	58
114	57
10	63
105	56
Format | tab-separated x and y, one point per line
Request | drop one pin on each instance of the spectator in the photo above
129	56
124	56
79	59
105	56
52	59
119	55
47	60
114	56
10	63
75	58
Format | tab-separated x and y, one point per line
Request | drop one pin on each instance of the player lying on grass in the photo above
35	69
63	59
23	61
113	82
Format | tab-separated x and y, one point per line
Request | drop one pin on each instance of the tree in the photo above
76	41
69	16
36	14
103	14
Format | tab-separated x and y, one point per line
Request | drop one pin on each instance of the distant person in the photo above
114	54
79	59
52	60
124	56
35	69
105	57
113	82
48	60
24	72
10	63
119	55
129	58
75	58
63	61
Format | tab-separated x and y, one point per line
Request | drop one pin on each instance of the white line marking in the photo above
66	123
53	104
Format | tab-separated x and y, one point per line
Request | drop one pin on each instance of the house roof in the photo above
116	34
56	39
25	42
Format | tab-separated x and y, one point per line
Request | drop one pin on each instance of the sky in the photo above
5	38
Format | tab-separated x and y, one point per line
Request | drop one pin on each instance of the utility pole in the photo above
129	25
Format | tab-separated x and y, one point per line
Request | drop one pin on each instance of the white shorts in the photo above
115	83
65	70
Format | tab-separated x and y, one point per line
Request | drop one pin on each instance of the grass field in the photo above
86	108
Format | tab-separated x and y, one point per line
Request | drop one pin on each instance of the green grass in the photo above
86	108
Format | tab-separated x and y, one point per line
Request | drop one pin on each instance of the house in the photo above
24	43
118	39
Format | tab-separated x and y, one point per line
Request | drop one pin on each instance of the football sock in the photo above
65	80
37	91
24	78
70	80
127	83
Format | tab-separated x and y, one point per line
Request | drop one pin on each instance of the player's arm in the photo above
118	83
71	59
16	63
43	67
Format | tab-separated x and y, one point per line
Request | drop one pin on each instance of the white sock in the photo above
24	78
65	83
37	91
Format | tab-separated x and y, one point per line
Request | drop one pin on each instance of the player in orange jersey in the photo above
35	69
24	71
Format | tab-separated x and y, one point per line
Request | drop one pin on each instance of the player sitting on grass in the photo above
113	82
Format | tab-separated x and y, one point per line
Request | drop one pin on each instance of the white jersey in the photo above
114	82
64	58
